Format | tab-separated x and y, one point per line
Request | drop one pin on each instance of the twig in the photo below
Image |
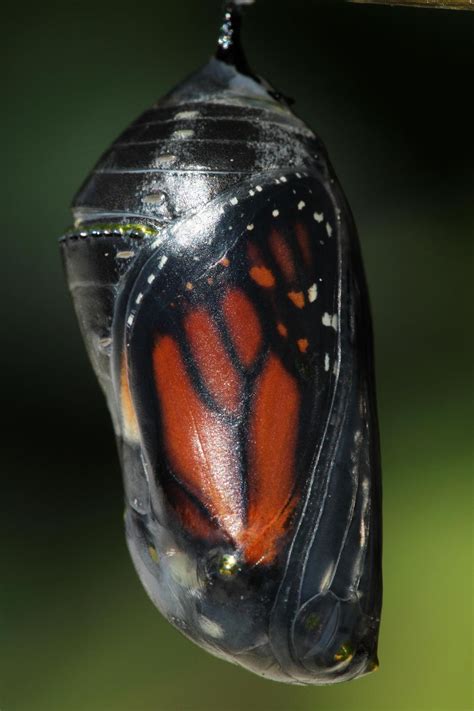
441	4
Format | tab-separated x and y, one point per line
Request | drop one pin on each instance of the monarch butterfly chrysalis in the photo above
216	275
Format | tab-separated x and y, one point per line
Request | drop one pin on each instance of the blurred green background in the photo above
390	92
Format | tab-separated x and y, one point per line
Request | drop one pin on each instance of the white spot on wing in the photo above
258	188
233	201
250	227
318	216
139	298
162	261
330	321
301	204
312	293
275	213
326	362
328	229
151	279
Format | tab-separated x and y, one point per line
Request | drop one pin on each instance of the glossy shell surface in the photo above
216	274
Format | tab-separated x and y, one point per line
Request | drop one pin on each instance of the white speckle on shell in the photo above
184	115
166	159
181	133
211	628
157	198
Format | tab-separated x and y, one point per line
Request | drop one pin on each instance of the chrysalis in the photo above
216	275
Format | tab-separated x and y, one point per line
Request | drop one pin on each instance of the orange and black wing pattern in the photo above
227	372
234	346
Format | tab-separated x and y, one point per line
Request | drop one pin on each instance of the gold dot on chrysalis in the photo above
312	621
228	565
373	665
152	552
344	654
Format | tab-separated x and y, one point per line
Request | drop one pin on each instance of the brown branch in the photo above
443	4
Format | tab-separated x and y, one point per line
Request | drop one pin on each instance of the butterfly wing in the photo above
245	378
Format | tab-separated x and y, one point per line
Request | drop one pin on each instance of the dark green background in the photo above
389	91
